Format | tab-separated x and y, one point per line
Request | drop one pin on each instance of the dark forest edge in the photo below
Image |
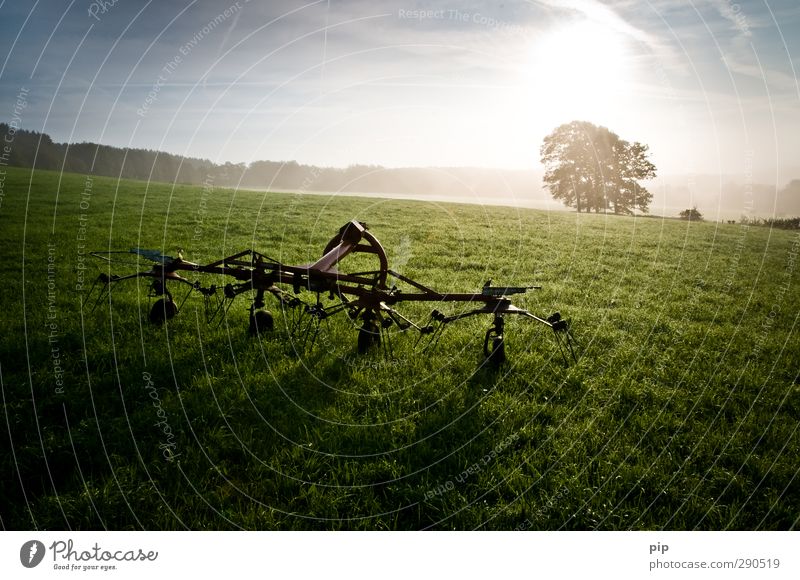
37	150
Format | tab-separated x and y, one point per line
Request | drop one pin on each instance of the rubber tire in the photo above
260	321
368	336
497	356
164	309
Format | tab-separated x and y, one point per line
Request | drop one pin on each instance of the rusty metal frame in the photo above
364	295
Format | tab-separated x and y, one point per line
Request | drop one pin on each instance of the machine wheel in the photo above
164	309
368	336
260	321
498	354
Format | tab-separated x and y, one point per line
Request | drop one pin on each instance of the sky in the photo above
710	85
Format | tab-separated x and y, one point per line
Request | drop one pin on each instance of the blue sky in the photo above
708	84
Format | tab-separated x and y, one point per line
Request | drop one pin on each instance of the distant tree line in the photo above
788	223
31	149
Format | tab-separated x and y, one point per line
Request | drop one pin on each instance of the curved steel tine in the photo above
185	298
386	342
428	324
225	310
565	345
313	322
91	291
570	340
212	310
435	336
561	349
104	291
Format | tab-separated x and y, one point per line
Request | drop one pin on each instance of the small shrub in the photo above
692	215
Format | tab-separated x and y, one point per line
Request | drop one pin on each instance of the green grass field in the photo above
681	414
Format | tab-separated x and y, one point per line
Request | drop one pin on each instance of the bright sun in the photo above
579	70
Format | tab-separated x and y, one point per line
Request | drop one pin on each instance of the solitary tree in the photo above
590	168
693	215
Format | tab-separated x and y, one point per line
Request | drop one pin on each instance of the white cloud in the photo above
732	12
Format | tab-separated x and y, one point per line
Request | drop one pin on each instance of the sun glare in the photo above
579	69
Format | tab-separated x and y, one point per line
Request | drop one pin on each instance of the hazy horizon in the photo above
716	196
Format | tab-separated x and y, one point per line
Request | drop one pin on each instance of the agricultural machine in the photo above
364	296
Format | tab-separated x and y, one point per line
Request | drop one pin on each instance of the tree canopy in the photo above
591	168
692	215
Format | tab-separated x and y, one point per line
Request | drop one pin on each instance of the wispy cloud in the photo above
775	80
732	12
602	14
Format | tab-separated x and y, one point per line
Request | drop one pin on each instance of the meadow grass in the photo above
682	412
